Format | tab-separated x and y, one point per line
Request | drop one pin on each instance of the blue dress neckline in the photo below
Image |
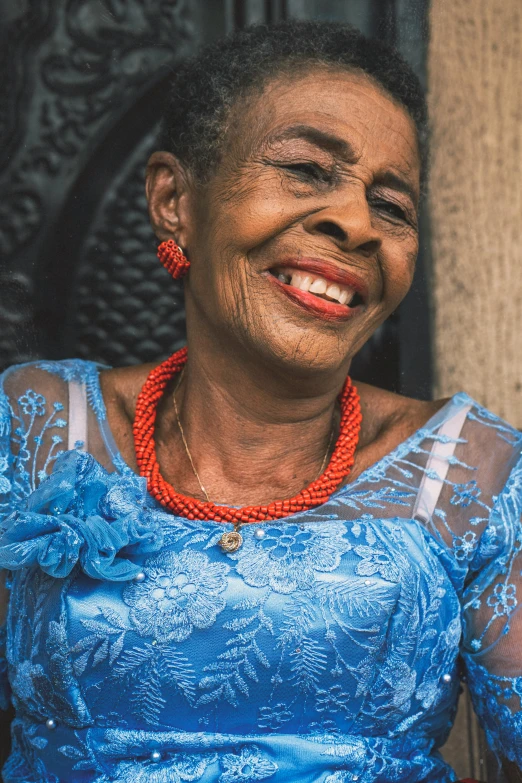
449	408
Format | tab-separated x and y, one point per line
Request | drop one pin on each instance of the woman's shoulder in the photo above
38	389
389	420
121	385
48	373
37	398
48	408
120	388
385	411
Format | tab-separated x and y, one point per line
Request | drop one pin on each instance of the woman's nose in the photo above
348	223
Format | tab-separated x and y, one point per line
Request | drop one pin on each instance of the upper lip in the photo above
328	271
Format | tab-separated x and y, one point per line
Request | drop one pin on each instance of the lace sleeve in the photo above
33	431
492	643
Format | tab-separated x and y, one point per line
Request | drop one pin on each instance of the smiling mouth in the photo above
318	286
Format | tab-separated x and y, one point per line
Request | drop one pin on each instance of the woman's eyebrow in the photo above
327	141
344	150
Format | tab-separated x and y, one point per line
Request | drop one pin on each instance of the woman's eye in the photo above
392	209
308	171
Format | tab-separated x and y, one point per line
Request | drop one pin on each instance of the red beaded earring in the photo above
173	259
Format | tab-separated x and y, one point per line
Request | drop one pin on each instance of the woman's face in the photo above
305	239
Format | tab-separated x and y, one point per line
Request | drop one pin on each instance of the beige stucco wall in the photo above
475	99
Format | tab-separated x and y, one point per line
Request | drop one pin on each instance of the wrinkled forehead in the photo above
362	119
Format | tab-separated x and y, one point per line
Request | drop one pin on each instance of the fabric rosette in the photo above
82	514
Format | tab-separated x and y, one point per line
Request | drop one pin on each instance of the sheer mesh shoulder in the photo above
35	423
476	471
33	410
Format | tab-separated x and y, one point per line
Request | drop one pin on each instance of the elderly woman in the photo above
236	566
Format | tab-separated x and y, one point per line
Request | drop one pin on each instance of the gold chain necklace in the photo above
232	540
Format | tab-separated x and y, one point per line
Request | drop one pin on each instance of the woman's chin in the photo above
306	354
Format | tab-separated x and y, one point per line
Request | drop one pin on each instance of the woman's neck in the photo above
253	435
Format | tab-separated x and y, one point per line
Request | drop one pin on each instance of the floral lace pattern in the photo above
288	557
180	592
325	648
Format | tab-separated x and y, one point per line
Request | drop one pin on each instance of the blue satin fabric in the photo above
324	649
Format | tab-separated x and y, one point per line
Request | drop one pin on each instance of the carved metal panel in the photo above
132	311
74	73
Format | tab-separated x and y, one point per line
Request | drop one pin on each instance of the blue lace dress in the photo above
327	649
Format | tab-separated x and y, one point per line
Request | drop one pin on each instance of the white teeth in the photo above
333	291
315	285
318	286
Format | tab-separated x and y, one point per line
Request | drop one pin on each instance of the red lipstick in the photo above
329	271
322	308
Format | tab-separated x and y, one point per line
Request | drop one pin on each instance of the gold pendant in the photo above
230	542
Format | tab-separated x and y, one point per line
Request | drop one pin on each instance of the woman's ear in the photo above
167	189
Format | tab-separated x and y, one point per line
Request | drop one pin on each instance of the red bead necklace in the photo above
315	494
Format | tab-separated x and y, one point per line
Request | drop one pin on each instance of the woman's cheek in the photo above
256	212
398	267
